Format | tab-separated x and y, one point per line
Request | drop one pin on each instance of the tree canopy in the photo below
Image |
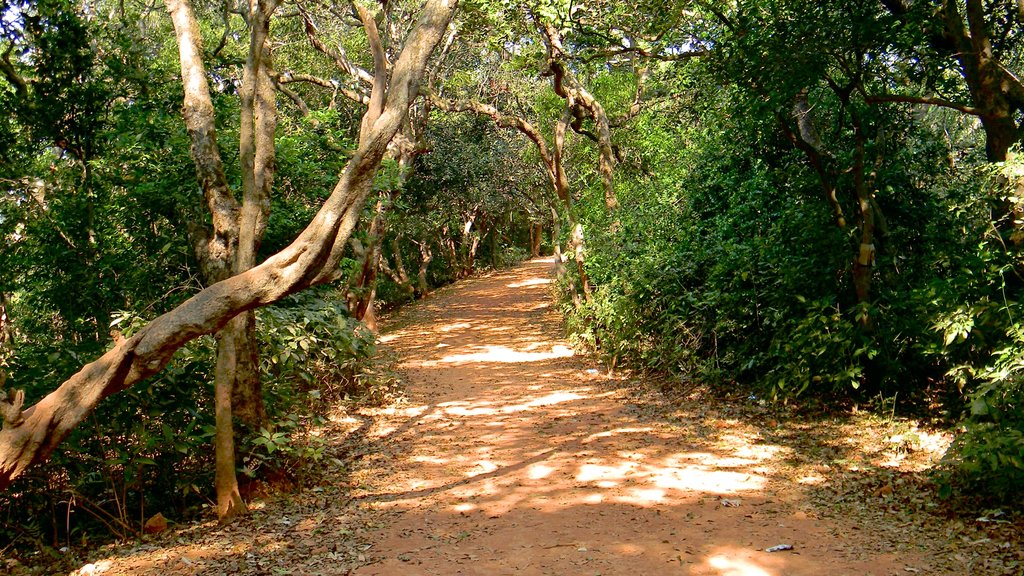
800	199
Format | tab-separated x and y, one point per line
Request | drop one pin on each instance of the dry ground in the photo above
514	455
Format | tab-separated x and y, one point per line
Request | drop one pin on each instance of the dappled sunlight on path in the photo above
516	456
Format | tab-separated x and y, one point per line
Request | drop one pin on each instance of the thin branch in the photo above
288	77
878	99
818	162
226	20
501	119
653	55
20	86
337	55
634	107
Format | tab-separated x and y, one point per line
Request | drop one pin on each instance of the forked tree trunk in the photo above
577	99
237	390
219	252
397	274
997	94
313	258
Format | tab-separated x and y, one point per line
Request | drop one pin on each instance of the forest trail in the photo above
513	455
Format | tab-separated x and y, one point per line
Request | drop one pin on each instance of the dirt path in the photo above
514	456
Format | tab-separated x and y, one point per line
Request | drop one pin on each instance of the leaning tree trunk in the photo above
30	436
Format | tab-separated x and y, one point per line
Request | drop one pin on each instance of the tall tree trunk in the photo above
426	256
495	249
6	329
556	242
579	255
864	263
576	240
995	92
256	150
229	499
364	285
536	239
469	241
217	250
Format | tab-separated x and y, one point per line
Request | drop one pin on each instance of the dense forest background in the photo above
799	200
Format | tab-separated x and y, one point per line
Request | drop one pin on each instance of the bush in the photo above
311	349
147	449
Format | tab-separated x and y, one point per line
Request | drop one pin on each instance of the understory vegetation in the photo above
803	201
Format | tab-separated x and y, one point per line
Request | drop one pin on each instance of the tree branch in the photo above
353	95
380	68
20	86
927	100
291	94
652	55
338	56
501	119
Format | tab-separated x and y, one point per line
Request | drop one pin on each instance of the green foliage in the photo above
986	338
114	472
287	445
725	263
312	352
145	451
